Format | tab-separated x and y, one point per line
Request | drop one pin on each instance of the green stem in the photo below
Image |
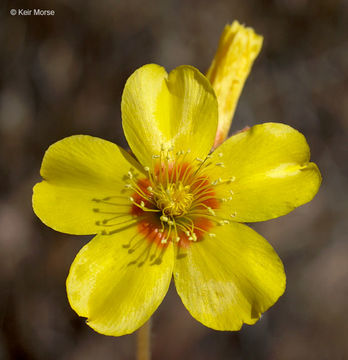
143	342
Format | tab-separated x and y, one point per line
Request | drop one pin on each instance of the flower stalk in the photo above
144	341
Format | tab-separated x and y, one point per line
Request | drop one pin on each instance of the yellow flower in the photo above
176	210
237	50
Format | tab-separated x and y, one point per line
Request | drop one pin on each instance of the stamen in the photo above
183	194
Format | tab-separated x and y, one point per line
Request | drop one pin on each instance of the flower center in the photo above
175	200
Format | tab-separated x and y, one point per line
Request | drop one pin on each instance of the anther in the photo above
220	154
131	199
164	218
211	211
193	237
146	168
199	159
155	156
231	179
212	235
142	204
149	188
164	241
130	175
221	164
177	239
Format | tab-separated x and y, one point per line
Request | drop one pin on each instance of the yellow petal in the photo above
237	50
178	110
118	281
269	171
229	279
79	172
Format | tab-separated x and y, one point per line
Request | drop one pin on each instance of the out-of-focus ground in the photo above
64	75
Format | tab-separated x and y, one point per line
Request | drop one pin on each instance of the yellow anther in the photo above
211	211
164	218
231	179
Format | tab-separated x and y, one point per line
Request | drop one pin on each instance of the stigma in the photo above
174	200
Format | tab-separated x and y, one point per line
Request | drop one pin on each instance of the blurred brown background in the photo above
64	74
